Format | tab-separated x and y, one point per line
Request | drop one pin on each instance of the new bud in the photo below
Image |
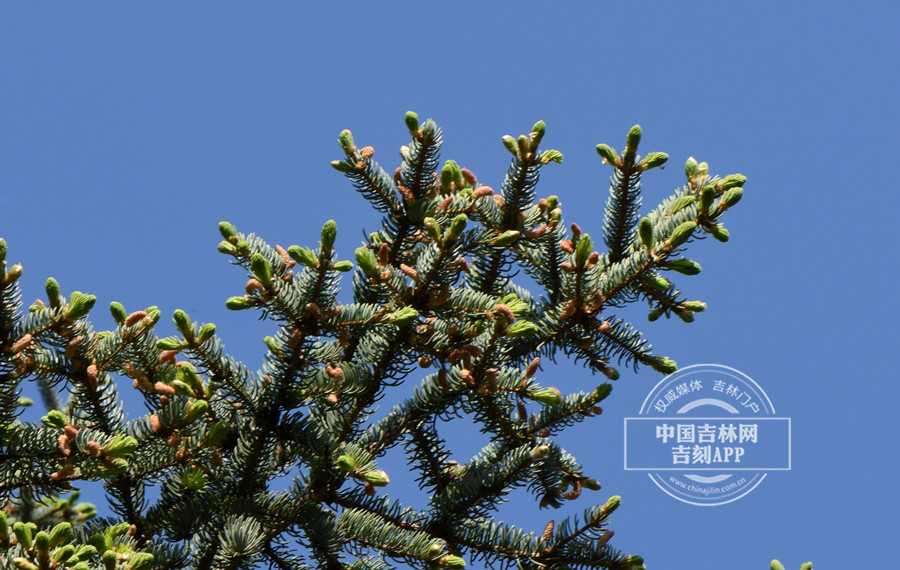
342	266
435	550
329	233
694	306
776	565
602	391
217	432
118	312
608	153
273	345
261	269
555	217
703	169
206	332
366	260
510	144
121	446
731	181
539	452
707	195
227	248
182	321
720	233
658	283
681	203
345	139
681	234
611	505
506	238
23	534
60	534
633	140
152	316
432	228
55	419
653	160
404	316
523	144
583	250
85	551
11	276
645	230
378	478
228	231
79	305
3	249
732	196
684	266
451	174
101	542
195	410
663	364
537	132
52	289
62	555
303	256
345	462
141	560
452	562
341	166
239	303
456	227
521	328
551	155
42	542
691	169
547	396
412	122
169	343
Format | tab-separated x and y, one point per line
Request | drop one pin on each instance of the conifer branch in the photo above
437	287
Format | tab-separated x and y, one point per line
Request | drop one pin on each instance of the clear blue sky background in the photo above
128	131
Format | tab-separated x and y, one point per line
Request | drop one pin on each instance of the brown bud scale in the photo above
134	318
284	256
409	271
548	530
532	367
20	344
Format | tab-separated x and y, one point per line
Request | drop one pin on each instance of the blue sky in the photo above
128	131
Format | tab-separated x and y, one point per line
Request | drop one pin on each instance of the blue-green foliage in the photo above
437	314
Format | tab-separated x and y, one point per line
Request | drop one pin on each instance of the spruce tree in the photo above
441	313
